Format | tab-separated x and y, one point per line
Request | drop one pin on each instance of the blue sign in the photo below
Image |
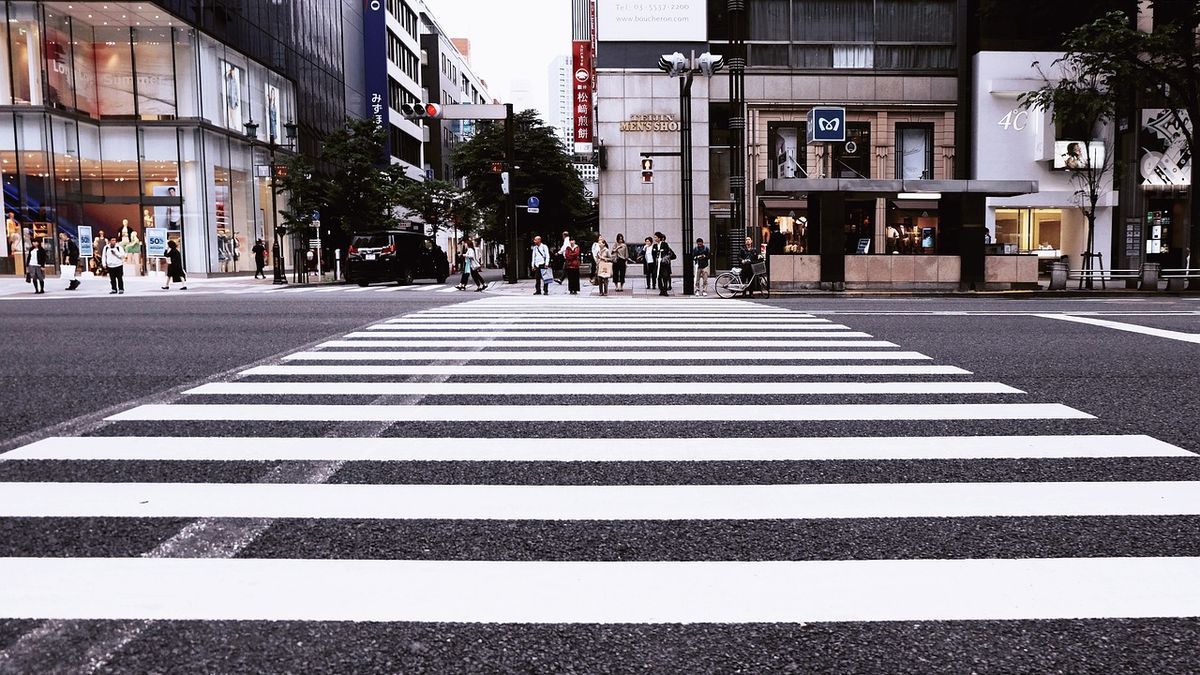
156	242
375	60
826	125
532	205
428	174
85	241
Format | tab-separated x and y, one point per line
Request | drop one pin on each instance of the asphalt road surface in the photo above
440	481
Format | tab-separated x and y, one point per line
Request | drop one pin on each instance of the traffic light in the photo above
710	63
647	170
504	182
421	111
674	65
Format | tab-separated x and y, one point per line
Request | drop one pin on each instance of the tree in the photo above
1080	98
540	169
364	188
440	204
306	192
1165	61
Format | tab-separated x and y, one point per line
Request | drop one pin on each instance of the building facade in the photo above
133	117
560	114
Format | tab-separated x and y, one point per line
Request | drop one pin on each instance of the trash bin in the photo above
1058	276
1149	279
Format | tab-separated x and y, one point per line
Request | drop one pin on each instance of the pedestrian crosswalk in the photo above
541	421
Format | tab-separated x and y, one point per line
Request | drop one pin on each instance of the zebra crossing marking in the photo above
659	370
627	413
601	342
768	449
519	333
607	356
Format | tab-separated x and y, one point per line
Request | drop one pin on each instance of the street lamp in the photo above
678	65
289	130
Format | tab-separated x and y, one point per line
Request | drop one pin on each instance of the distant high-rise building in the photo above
559	116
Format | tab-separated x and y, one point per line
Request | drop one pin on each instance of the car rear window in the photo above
370	241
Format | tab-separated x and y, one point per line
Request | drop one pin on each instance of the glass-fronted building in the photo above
122	117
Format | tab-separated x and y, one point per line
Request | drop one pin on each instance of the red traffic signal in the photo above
421	111
647	170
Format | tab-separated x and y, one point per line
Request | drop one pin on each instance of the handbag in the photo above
604	269
547	274
28	277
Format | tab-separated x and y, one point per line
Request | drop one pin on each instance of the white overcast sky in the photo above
509	40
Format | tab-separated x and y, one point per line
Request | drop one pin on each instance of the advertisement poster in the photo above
581	62
232	94
85	241
166	216
114	78
677	21
59	70
85	79
786	143
156	78
1164	139
156	242
274	126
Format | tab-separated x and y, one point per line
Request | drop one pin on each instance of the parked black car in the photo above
395	255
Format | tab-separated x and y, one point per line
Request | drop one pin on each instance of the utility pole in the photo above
512	257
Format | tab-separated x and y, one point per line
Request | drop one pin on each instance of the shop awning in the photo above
886	188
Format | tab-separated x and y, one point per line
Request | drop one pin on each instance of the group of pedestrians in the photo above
112	259
470	263
610	264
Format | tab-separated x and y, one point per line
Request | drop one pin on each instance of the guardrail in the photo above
1177	279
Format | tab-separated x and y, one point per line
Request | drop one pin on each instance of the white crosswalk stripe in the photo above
637	413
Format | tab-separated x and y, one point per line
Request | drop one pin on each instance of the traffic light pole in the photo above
512	258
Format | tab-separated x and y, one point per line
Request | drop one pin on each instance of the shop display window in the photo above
914	151
860	227
1030	230
789	150
852	159
788	233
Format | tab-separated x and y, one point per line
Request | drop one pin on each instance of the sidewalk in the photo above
92	286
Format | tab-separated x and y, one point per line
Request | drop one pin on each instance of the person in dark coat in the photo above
260	259
70	258
663	255
572	256
175	266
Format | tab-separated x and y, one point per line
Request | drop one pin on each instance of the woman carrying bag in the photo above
604	265
175	266
620	260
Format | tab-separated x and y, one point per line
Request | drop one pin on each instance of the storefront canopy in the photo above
891	188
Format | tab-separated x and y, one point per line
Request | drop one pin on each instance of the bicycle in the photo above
730	283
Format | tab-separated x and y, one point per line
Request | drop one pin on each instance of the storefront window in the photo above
860	227
87	99
912	228
852	159
788	150
59	63
914	151
155	73
114	73
788	233
25	57
1030	230
187	76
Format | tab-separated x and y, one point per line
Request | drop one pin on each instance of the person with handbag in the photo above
539	260
620	261
35	266
646	257
604	265
70	258
573	257
175	266
663	255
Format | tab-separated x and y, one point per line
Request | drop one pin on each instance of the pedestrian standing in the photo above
35	266
604	265
114	264
663	255
701	256
562	255
100	243
647	259
572	257
175	266
620	260
595	260
70	258
539	260
260	259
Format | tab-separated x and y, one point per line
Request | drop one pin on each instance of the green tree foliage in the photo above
306	193
364	189
541	170
440	204
1163	65
1080	98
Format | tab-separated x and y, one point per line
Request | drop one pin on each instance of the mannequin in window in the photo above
133	252
13	235
124	233
893	239
172	212
147	219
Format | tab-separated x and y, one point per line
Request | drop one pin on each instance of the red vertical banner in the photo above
581	105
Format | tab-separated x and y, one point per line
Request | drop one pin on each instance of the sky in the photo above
510	41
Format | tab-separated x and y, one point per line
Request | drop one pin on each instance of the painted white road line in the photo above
361	289
606	356
264	589
584	342
660	370
489	332
874	448
1193	338
589	315
599	502
447	289
625	413
644	325
335	289
620	318
615	388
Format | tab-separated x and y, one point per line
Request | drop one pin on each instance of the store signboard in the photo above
156	242
581	97
85	241
826	125
675	21
376	61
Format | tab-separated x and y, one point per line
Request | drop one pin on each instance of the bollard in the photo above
1149	279
1058	276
